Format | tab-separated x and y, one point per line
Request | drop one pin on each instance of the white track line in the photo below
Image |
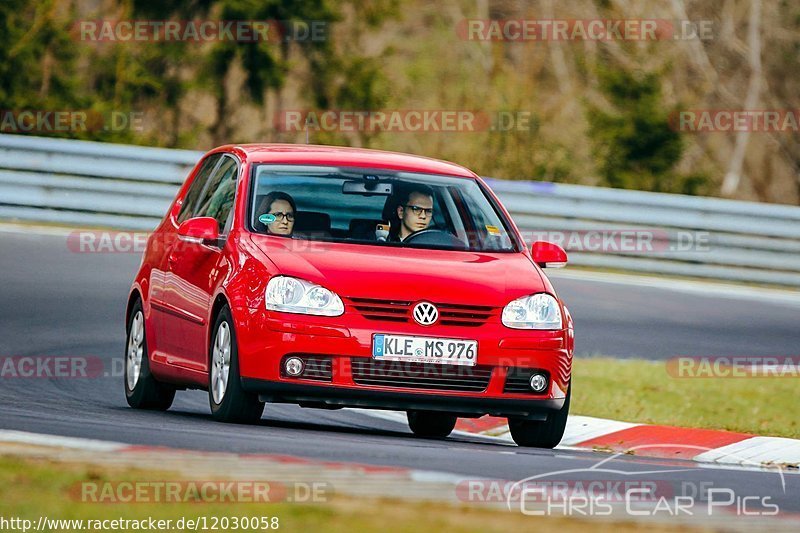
26	229
39	439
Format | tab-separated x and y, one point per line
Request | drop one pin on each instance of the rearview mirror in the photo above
548	255
200	230
368	186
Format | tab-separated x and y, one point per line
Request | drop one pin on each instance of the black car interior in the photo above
318	225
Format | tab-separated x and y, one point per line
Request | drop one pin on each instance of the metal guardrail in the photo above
691	236
129	187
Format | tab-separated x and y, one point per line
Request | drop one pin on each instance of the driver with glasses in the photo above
414	212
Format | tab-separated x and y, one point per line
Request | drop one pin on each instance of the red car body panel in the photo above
182	287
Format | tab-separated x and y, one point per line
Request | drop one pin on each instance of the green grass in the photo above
644	392
30	488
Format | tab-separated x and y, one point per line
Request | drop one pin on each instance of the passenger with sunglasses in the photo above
276	212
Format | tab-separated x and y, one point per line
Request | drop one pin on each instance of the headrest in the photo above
362	224
312	222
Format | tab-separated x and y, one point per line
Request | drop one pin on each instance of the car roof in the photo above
344	156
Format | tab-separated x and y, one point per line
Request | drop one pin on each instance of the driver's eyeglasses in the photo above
417	210
280	216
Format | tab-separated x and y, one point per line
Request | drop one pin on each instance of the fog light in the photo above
293	366
538	382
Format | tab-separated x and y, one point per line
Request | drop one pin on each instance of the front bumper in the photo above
316	396
265	339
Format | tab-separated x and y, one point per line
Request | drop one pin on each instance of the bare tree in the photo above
734	175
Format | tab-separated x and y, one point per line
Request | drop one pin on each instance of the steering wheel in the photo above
434	237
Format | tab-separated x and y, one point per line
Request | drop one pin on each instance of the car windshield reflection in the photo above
375	207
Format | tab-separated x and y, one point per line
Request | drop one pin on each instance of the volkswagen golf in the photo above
337	277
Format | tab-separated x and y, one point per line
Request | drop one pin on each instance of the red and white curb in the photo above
644	440
712	447
701	445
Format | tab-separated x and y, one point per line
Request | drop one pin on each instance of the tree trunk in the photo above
220	128
734	176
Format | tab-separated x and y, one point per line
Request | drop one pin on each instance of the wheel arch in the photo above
220	301
132	298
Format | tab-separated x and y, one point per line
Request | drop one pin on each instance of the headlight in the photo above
292	295
538	311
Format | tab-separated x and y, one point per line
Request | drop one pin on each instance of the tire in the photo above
541	434
142	390
430	424
229	402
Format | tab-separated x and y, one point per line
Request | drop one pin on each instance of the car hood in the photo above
408	274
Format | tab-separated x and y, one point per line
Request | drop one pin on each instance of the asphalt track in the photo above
57	302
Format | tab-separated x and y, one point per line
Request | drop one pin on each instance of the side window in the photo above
197	187
217	199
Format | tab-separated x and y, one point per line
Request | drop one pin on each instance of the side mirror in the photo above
548	255
200	230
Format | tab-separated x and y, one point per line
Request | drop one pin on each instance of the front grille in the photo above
394	311
400	311
463	315
317	367
420	375
518	380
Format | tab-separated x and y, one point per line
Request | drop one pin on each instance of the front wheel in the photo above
431	424
142	391
229	402
541	434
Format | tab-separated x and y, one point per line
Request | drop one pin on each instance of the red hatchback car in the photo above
336	277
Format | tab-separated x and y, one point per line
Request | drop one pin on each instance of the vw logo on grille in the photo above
425	313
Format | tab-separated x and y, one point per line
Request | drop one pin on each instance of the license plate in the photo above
424	350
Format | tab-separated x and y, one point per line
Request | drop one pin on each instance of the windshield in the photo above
376	207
